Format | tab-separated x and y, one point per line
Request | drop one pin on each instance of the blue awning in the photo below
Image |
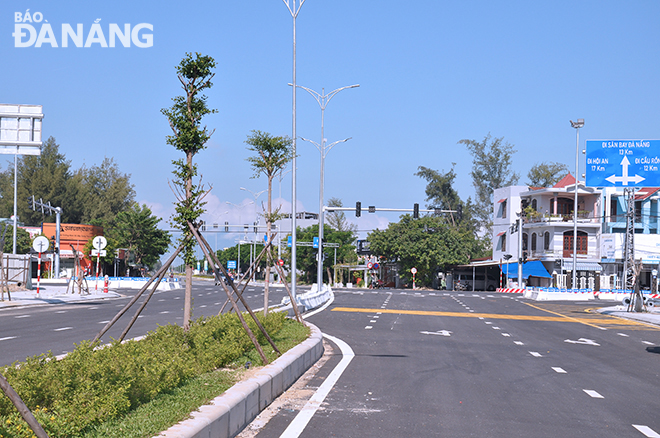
530	269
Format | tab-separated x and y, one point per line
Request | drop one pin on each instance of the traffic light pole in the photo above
372	209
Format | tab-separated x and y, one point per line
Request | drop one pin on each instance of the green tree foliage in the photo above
136	229
337	219
231	253
189	136
271	156
107	192
23	241
88	195
306	255
491	169
428	244
546	174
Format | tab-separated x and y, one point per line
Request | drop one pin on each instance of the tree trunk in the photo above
269	232
187	300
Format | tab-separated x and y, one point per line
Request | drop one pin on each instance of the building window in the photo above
524	242
503	242
581	244
546	241
503	209
533	241
534	204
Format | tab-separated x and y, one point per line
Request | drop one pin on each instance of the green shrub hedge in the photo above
91	386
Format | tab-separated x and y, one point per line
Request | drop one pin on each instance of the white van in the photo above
462	280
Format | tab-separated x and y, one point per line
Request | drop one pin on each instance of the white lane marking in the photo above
104	322
647	431
593	393
62	329
496	328
164	312
372	321
438	333
535	354
201	307
368	327
647	343
64	311
518	343
7	338
22	316
471	310
490	296
161	301
623	334
488	322
481	317
299	423
559	370
379	313
506	334
376	317
583	341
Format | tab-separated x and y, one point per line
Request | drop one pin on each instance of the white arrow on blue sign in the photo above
623	163
315	242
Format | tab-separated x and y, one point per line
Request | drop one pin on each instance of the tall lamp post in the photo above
323	100
293	10
577	125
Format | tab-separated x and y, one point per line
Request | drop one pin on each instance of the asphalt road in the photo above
482	365
33	330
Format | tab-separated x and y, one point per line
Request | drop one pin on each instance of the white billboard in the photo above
20	129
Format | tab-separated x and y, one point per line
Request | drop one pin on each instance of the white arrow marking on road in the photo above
438	333
647	431
593	393
624	178
582	341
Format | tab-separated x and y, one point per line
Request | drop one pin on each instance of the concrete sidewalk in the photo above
53	294
652	316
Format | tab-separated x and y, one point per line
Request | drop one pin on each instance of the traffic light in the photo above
459	213
416	211
226	227
203	225
372	209
358	209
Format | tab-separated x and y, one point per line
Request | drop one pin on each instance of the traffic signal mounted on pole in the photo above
226	227
416	211
358	209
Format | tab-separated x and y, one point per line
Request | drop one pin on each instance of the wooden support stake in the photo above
137	295
22	408
213	260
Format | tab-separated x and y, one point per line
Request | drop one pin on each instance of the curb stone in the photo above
226	415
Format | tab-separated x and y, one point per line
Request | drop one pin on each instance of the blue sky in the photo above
430	72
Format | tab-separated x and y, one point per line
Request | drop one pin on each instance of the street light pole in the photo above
323	100
577	125
293	10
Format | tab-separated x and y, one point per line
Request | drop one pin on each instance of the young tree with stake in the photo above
190	137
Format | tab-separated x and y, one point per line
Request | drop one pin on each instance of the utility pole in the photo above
58	212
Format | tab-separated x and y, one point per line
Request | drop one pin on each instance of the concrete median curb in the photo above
226	415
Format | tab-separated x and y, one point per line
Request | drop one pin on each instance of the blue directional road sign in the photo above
623	163
231	264
315	242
